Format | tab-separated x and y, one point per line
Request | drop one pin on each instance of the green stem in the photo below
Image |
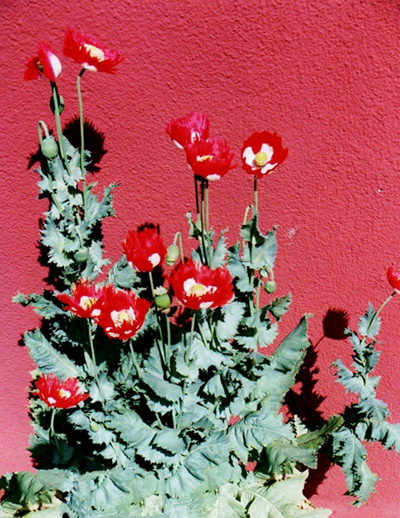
53	433
162	350
82	133
168	345
186	358
375	317
96	375
202	219
210	249
178	237
255	195
135	362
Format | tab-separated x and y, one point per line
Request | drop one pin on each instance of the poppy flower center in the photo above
196	289
261	159
94	52
65	394
125	315
87	302
204	158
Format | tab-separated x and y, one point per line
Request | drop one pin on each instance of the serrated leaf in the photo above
238	271
218	256
164	389
278	307
316	438
230	317
369	324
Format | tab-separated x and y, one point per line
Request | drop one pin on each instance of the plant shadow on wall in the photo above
151	395
305	402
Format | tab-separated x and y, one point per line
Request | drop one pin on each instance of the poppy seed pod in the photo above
270	286
172	254
49	147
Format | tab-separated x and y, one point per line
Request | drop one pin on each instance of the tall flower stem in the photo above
53	433
163	353
375	317
203	219
186	358
210	251
178	237
134	359
96	374
168	344
82	134
255	195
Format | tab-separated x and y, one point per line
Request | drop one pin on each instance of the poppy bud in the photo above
270	286
162	299
82	255
61	104
49	147
172	255
94	426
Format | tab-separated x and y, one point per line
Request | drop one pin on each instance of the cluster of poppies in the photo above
210	157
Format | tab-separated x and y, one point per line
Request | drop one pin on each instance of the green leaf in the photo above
48	359
218	256
226	504
56	243
278	307
229	317
238	271
42	305
164	389
316	438
369	324
132	429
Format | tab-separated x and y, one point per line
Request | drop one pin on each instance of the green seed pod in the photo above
163	301
94	426
61	104
49	147
270	286
172	255
82	255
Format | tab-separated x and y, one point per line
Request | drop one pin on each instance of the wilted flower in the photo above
185	130
211	159
45	63
59	394
122	313
144	249
197	286
394	278
262	153
84	301
89	53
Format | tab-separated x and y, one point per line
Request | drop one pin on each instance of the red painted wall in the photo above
322	73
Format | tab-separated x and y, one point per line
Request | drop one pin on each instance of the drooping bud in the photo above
172	254
49	147
270	286
162	298
94	426
82	255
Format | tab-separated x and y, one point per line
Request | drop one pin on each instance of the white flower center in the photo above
261	159
204	158
154	259
196	289
65	394
51	400
120	317
87	302
94	52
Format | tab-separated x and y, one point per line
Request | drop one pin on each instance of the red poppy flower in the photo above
196	286
84	301
89	53
122	313
394	278
185	130
210	159
144	249
45	63
262	153
59	394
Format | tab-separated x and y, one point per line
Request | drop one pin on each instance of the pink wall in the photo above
322	73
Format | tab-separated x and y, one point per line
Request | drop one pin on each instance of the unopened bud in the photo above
270	286
172	254
49	147
94	426
82	255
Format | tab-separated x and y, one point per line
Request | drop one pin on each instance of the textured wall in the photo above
322	73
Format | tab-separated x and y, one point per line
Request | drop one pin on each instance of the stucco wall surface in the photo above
322	73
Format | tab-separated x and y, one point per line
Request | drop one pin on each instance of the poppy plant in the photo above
59	394
144	249
185	130
394	278
84	301
211	158
262	152
44	64
89	53
197	286
122	313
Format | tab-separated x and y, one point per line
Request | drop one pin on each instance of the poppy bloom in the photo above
144	249
211	159
84	301
197	286
89	53
394	278
45	63
262	153
122	313
185	130
59	394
